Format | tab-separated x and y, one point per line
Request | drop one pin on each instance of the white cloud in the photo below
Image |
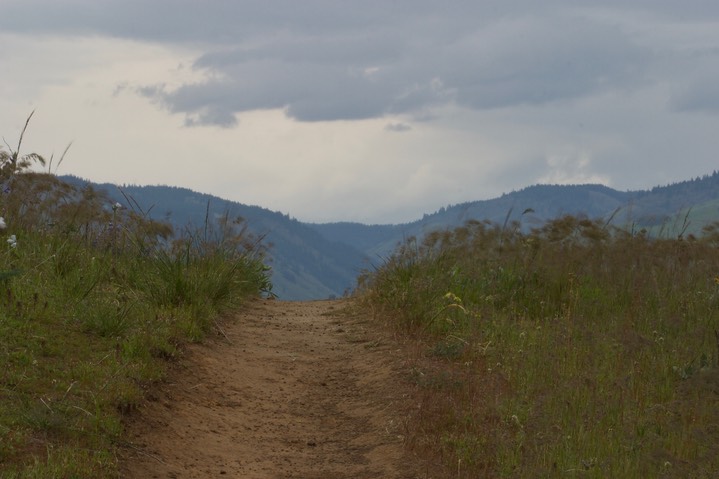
571	167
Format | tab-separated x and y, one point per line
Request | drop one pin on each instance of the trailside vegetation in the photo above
95	297
576	350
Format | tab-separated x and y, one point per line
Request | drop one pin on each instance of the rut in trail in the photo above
292	390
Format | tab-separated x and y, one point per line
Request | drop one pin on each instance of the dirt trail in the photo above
294	390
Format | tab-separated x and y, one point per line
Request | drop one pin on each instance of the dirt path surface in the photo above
293	390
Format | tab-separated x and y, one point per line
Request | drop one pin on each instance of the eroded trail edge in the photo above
288	390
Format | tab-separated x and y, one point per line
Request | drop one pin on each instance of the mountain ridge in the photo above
322	260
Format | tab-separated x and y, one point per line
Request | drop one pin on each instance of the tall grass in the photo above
578	350
94	298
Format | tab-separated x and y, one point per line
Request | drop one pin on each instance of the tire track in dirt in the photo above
293	390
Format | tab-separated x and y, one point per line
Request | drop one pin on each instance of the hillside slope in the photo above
316	261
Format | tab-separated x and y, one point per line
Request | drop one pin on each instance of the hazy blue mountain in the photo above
311	261
546	201
662	210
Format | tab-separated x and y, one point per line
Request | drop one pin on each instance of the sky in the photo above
375	111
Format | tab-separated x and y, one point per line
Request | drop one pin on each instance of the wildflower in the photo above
515	420
12	241
116	206
3	225
453	297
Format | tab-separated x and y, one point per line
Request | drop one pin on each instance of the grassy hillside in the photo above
94	300
576	350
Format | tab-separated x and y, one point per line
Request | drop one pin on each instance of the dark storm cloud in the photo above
322	60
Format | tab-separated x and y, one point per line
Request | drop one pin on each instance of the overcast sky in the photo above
371	111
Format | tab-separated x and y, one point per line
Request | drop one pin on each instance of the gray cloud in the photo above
398	127
378	71
323	60
699	94
538	61
212	116
328	60
498	95
227	22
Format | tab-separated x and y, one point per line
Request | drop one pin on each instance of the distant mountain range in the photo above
314	261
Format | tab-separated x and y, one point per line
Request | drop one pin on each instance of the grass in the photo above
576	350
94	300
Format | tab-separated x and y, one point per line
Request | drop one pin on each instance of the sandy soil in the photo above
292	390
